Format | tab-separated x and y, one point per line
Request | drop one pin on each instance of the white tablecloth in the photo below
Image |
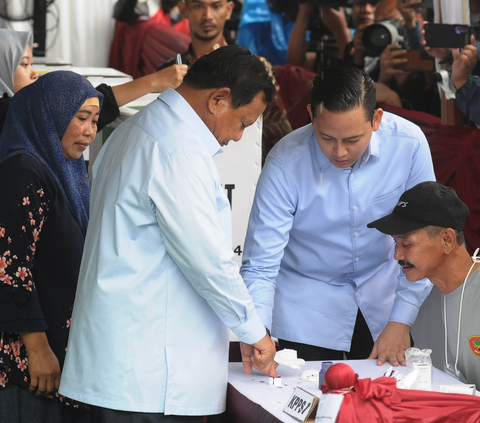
273	399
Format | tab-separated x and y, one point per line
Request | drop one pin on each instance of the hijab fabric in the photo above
12	48
37	119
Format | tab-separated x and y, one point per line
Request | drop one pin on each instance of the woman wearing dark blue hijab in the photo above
44	196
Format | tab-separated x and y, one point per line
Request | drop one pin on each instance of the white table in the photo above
256	389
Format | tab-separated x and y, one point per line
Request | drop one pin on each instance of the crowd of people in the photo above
115	306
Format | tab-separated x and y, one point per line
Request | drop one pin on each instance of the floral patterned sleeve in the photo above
24	210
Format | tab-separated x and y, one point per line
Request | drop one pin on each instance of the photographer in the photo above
467	85
407	74
334	20
465	75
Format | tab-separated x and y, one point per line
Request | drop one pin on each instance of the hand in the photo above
259	355
170	77
305	10
387	95
336	22
391	344
438	52
334	19
463	63
358	47
409	11
43	365
391	57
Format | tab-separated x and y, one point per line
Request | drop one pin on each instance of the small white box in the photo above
458	388
424	376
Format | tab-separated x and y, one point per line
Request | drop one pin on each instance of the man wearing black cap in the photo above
427	226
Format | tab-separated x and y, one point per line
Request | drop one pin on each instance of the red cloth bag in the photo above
380	401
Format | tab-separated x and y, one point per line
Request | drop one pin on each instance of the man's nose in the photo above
340	150
398	253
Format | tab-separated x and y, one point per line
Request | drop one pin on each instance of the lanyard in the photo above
475	260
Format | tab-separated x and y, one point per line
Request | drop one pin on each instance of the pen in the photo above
179	59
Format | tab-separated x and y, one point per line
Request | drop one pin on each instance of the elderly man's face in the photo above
229	123
419	255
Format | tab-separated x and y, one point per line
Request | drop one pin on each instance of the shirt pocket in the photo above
385	203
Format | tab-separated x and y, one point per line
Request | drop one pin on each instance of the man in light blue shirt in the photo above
158	289
321	281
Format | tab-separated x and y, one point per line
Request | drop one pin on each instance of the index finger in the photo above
401	358
392	358
382	358
33	384
272	372
42	387
247	364
396	53
472	40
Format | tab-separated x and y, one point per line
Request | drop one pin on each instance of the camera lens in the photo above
378	36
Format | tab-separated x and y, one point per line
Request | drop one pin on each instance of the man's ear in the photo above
449	240
182	7
377	119
219	101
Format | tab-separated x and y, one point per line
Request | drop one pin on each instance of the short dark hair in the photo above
342	89
433	231
234	67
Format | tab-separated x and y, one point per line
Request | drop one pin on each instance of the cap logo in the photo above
474	342
402	204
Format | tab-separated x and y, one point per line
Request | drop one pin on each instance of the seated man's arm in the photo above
391	344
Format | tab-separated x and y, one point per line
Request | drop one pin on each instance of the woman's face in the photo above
24	75
80	133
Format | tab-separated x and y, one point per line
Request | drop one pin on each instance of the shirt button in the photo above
356	234
357	259
241	335
355	208
357	294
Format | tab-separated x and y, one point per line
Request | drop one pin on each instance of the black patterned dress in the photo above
41	246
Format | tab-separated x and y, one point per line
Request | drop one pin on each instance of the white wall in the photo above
85	30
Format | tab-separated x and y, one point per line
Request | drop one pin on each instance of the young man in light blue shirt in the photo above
321	281
157	288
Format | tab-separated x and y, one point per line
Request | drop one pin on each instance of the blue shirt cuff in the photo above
252	331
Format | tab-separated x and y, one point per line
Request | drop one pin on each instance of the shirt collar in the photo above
177	103
373	149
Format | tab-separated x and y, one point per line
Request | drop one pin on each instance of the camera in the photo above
379	35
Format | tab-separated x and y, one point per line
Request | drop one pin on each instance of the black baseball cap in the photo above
426	204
